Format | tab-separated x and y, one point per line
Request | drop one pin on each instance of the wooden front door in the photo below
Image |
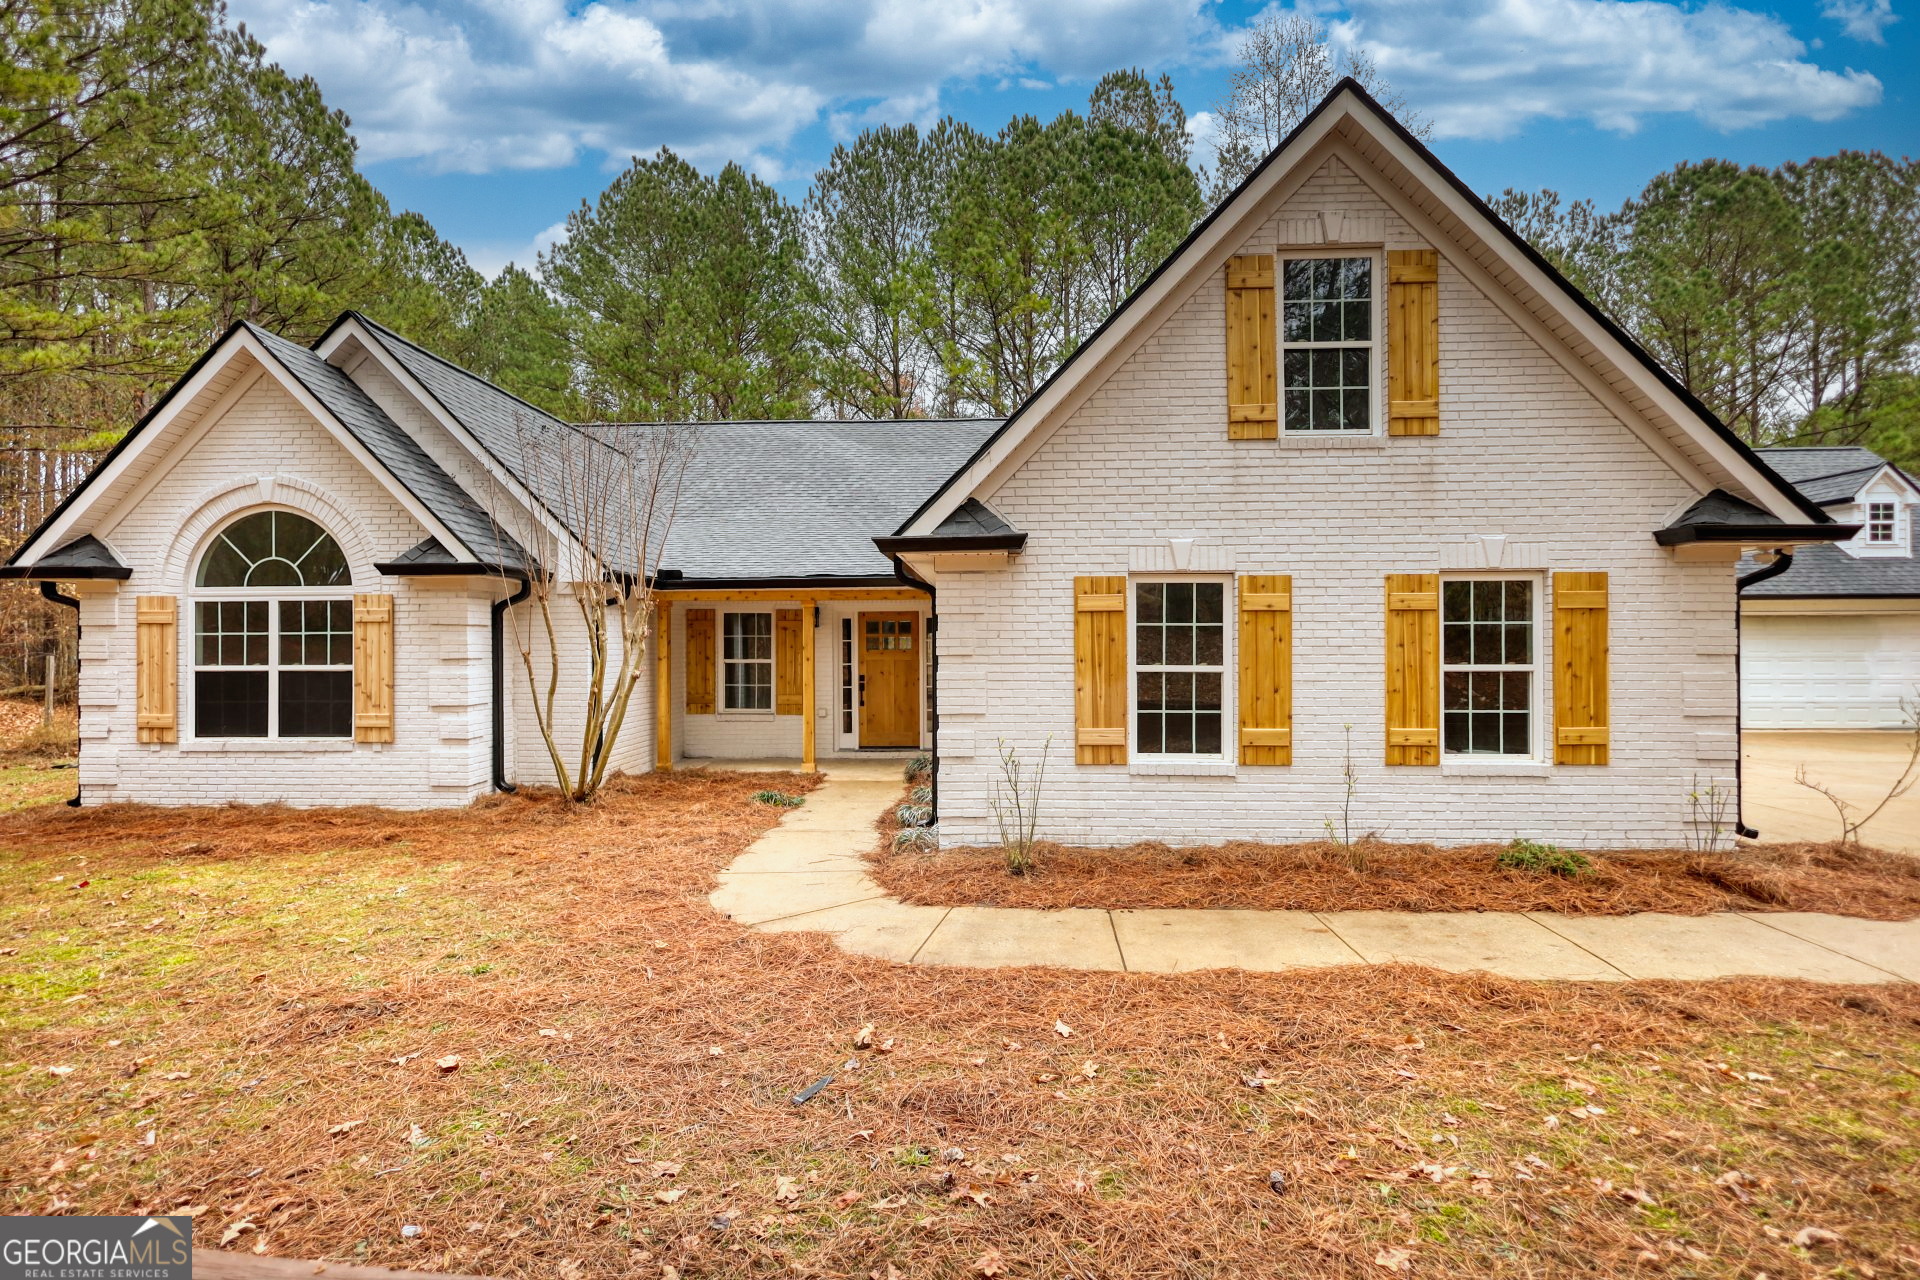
890	661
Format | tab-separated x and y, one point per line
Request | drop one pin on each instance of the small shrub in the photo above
919	767
915	839
779	799
913	815
1531	855
921	795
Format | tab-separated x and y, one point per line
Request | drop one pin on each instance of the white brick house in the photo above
1354	476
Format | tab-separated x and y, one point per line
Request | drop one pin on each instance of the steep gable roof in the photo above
1830	474
1351	117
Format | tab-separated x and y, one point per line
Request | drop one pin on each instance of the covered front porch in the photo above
789	675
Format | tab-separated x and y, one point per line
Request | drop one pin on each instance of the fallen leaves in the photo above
863	1038
1394	1259
990	1263
786	1190
59	1071
344	1127
449	1063
1813	1237
1062	1030
668	1195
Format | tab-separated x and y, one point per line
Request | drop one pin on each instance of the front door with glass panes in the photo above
890	661
273	632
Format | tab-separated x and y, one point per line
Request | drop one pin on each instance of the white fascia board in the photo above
101	483
1167	290
1890	475
1769	493
431	406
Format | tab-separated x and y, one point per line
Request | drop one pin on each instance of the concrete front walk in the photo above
807	874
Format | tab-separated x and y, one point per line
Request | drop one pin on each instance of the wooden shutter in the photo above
157	669
1253	408
1100	670
373	668
786	662
1266	669
1580	724
700	662
1413	668
1413	342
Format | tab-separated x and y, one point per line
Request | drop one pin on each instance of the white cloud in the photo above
481	85
490	259
1484	68
1862	19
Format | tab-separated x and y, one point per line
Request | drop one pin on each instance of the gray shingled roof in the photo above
84	557
397	451
760	499
1827	474
972	519
1832	475
806	499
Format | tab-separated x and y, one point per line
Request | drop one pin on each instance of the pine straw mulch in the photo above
1375	875
253	1004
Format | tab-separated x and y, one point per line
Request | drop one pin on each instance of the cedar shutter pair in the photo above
1412	345
787	696
157	668
1265	652
1580	714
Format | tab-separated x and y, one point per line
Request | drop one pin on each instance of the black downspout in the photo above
51	593
1783	561
500	608
907	578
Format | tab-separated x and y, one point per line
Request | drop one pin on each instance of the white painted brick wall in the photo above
440	755
1523	451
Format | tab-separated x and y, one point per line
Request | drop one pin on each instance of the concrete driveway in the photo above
1858	765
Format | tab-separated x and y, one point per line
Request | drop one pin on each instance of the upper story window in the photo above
1179	667
746	661
1880	522
1329	344
1489	666
273	632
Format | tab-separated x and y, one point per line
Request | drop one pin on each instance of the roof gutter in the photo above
1782	561
895	546
500	608
1752	535
71	573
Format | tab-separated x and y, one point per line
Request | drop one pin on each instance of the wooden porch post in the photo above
663	685
809	623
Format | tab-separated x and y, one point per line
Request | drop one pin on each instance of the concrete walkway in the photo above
808	874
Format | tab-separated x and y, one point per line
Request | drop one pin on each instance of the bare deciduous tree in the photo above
1852	818
1287	64
607	496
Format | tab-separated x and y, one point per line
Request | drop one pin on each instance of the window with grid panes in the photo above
1880	522
273	632
1488	664
1327	344
746	661
1179	667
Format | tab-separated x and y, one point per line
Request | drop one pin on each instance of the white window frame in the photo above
273	666
1892	522
1537	713
770	662
1376	343
1229	626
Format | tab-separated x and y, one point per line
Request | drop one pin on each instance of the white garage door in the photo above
1828	672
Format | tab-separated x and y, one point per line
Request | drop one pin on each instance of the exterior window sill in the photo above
743	715
1178	767
1331	440
266	746
1494	767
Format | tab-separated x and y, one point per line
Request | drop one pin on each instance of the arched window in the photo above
273	632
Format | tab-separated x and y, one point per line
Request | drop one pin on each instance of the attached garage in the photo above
1827	670
1833	641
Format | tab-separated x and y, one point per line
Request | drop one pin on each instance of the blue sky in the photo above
495	118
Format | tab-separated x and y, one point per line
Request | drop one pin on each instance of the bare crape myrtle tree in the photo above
608	494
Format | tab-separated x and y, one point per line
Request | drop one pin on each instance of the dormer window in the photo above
1880	523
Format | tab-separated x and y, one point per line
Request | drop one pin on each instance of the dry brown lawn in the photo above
1377	875
520	1029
